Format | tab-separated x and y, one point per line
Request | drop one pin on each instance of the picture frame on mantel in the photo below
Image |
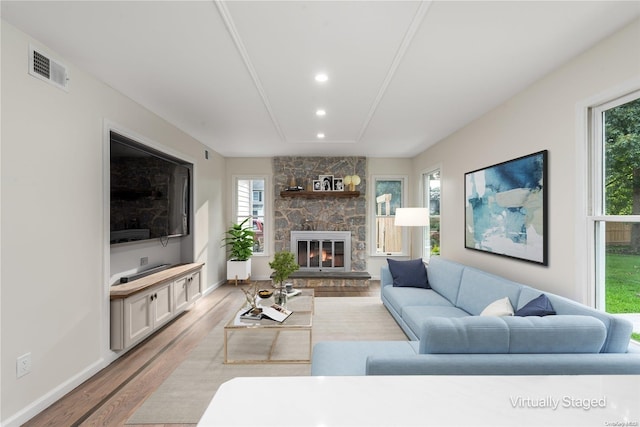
317	185
506	208
338	184
327	182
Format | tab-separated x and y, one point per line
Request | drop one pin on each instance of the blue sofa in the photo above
453	329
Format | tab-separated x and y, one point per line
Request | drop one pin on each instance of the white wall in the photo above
543	117
55	258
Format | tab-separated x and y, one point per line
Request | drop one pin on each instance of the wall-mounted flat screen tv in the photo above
150	193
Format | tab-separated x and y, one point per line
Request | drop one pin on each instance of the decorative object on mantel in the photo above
352	181
293	186
326	182
284	263
239	243
338	184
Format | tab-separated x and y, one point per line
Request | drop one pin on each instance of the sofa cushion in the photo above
414	315
505	364
399	298
501	307
350	357
444	277
410	273
492	334
464	335
478	289
555	334
618	329
540	306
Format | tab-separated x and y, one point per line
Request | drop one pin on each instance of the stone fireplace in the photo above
324	212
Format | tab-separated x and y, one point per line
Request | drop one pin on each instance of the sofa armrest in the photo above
491	334
385	276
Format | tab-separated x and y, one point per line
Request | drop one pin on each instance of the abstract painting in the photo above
506	208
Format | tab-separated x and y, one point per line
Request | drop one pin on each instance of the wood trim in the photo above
319	194
135	286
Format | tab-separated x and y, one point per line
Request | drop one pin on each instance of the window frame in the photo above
596	218
403	179
266	208
425	247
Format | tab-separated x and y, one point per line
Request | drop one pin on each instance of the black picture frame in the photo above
506	210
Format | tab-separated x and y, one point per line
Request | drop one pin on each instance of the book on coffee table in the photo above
276	312
273	312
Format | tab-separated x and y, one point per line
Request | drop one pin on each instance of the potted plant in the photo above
283	264
239	243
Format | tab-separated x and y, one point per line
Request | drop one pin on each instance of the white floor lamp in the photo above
411	217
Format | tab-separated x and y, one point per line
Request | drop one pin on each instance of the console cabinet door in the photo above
195	287
180	293
162	305
138	318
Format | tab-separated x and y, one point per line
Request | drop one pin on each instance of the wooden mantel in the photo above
320	194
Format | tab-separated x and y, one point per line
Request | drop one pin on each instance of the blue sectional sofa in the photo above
459	321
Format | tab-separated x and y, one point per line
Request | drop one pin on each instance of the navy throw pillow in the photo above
540	306
408	273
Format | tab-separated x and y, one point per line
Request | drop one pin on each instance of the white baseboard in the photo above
54	395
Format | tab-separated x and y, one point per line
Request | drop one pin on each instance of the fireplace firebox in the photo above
322	250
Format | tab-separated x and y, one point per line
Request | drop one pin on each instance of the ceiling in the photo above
239	75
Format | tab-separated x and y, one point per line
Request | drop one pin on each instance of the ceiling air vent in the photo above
43	67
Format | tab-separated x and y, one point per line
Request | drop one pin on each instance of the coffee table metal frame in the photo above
300	320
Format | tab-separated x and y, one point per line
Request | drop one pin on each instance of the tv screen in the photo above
150	193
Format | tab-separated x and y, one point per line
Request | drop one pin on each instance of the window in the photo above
431	201
615	204
250	203
389	195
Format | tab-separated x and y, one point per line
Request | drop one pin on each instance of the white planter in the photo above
239	270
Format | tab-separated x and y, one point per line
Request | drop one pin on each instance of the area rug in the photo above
185	395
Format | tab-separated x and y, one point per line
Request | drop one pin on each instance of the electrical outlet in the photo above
23	365
144	260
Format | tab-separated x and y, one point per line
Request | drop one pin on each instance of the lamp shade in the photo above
412	217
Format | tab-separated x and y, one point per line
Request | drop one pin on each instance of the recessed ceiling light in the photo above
322	77
320	135
321	113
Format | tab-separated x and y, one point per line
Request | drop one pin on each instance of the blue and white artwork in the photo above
505	208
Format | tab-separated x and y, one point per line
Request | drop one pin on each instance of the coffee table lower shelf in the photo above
272	352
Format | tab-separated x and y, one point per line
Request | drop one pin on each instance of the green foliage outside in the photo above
622	197
623	284
622	164
393	187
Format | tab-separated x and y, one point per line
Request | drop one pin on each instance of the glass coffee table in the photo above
268	341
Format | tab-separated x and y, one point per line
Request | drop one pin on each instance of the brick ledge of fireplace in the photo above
313	279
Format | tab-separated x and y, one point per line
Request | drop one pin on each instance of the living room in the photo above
56	257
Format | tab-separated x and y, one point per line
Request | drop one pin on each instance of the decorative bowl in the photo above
265	293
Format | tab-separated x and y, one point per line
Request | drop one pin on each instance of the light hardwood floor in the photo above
111	396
